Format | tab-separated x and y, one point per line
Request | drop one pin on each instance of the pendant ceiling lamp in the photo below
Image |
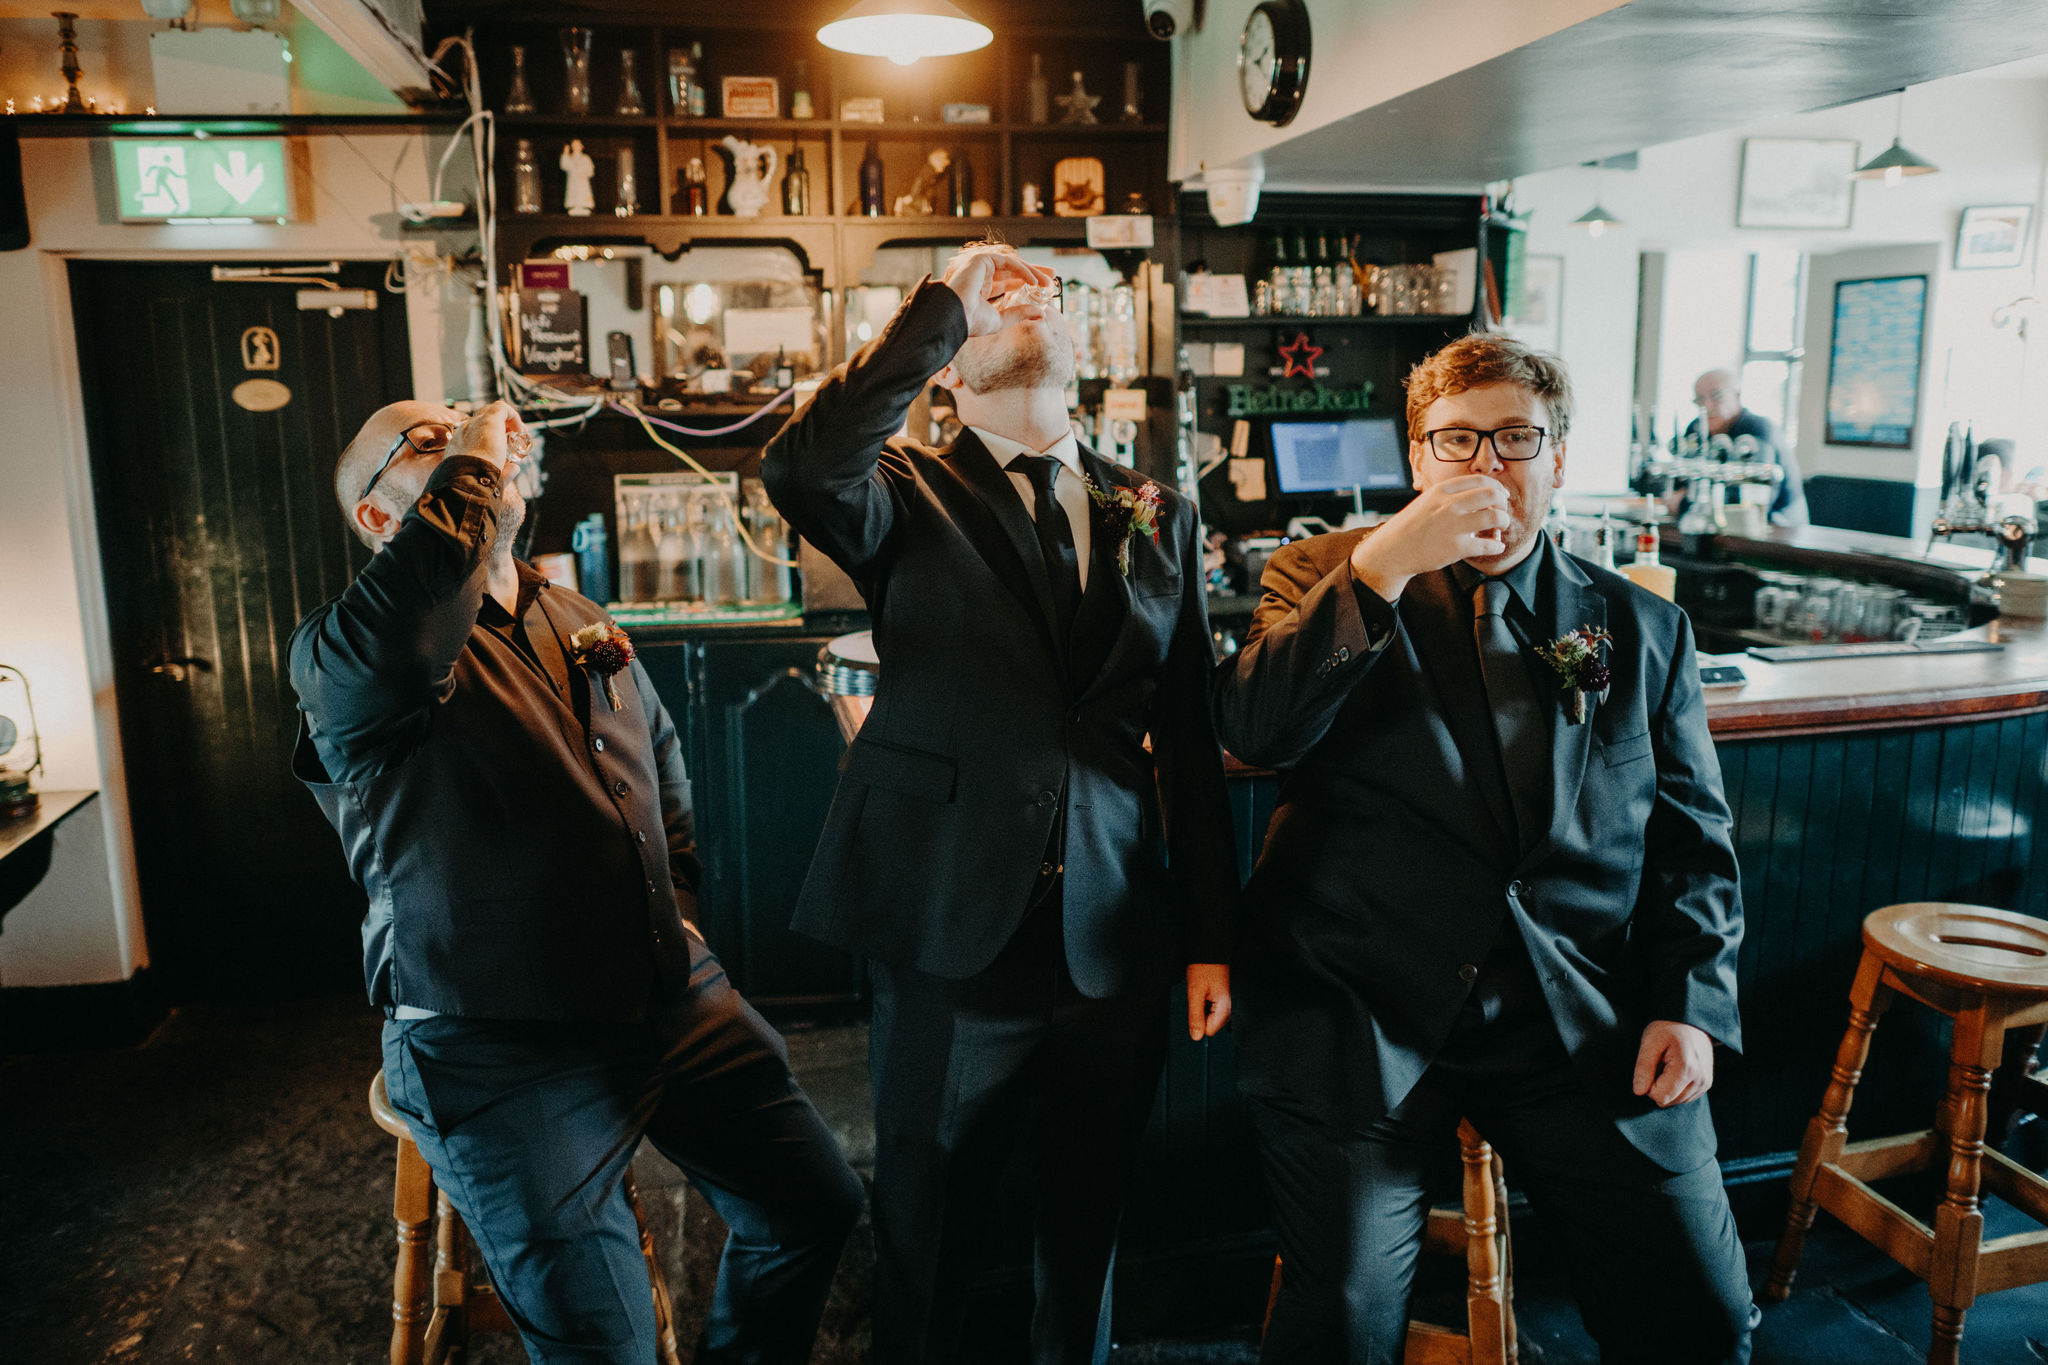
1894	163
905	30
1596	220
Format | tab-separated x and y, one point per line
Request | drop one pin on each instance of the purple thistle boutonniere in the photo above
1125	512
1576	657
603	651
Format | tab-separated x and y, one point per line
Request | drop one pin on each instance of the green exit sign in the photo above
202	179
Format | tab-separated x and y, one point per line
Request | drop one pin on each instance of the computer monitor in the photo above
1336	457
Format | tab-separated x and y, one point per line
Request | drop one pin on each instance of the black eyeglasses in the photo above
1456	445
434	446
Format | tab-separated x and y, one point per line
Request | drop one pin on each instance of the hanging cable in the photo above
745	536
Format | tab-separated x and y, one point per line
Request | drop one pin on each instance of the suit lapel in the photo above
1571	603
1439	627
1001	530
1105	614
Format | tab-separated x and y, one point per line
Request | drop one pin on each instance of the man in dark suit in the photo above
513	802
995	847
1478	900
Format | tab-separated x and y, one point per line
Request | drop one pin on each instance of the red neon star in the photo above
1301	358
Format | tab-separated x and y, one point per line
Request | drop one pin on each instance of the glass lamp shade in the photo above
905	30
258	13
167	11
1596	220
1892	165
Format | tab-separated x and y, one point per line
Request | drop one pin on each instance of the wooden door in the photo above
218	531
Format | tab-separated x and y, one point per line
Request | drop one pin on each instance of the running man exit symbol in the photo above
164	189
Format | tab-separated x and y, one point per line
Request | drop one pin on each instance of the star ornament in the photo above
1300	358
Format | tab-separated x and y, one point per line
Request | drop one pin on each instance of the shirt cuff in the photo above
455	466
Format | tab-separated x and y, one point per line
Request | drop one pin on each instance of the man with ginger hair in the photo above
1498	886
510	793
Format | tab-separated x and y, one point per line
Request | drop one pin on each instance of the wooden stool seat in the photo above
428	1331
1478	1231
1987	970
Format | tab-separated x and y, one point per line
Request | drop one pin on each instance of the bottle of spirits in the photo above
525	179
669	553
696	197
1280	291
629	185
576	44
1301	276
682	76
800	97
1037	94
796	185
631	101
1603	543
962	185
1648	571
871	204
519	95
697	96
1323	279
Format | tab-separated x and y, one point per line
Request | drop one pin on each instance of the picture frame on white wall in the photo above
1796	183
1993	237
1539	310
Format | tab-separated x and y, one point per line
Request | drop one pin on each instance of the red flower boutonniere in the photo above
1576	657
603	651
1125	512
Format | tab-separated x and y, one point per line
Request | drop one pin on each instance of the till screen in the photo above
1328	457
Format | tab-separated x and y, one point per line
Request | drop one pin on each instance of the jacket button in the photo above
620	788
1044	798
641	835
1468	973
598	744
1518	888
1343	653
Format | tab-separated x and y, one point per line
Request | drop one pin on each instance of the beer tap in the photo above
1978	506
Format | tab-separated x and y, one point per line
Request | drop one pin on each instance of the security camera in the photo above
1164	18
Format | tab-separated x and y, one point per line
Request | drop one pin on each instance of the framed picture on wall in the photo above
1539	304
1993	238
1874	361
1796	183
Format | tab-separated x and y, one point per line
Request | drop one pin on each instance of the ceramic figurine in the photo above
753	166
1077	105
921	200
579	169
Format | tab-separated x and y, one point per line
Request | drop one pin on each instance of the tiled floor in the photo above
219	1194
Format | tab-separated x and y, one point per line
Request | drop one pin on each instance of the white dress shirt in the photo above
1066	485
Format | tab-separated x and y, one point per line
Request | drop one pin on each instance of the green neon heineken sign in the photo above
201	179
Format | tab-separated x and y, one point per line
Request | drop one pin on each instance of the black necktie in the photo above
1055	538
1517	711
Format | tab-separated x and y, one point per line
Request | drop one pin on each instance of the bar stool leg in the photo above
1507	1260
448	1329
412	1208
1828	1131
1484	1306
1959	1221
664	1308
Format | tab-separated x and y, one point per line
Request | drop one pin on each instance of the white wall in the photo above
1365	52
84	922
1989	137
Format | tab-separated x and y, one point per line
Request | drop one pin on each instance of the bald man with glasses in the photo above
519	819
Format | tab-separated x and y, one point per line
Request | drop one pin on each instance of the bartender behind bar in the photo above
1718	396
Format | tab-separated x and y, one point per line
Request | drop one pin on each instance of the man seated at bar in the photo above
511	796
995	847
1718	396
1498	886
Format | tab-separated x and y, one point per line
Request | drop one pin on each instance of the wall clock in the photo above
1272	61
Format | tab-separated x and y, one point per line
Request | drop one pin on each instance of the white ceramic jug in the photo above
753	170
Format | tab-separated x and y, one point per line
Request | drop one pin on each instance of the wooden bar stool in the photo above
425	1332
1478	1232
1988	971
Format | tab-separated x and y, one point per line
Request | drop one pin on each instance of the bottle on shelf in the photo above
796	185
525	179
767	581
692	562
1350	299
724	571
1037	93
1603	543
576	44
1134	94
638	557
696	197
1280	287
800	97
698	96
1301	277
631	102
1648	572
871	201
1322	279
682	79
961	184
629	185
519	94
670	552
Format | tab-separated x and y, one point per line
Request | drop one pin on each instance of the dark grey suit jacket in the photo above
988	734
1377	884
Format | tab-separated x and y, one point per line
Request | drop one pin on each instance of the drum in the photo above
848	670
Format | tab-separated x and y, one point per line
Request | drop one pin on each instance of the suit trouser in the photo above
529	1127
1653	1255
962	1072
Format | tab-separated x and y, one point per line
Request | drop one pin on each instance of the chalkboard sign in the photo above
551	332
1874	362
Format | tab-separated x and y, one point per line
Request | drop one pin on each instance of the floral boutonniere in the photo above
602	650
1125	512
1576	657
